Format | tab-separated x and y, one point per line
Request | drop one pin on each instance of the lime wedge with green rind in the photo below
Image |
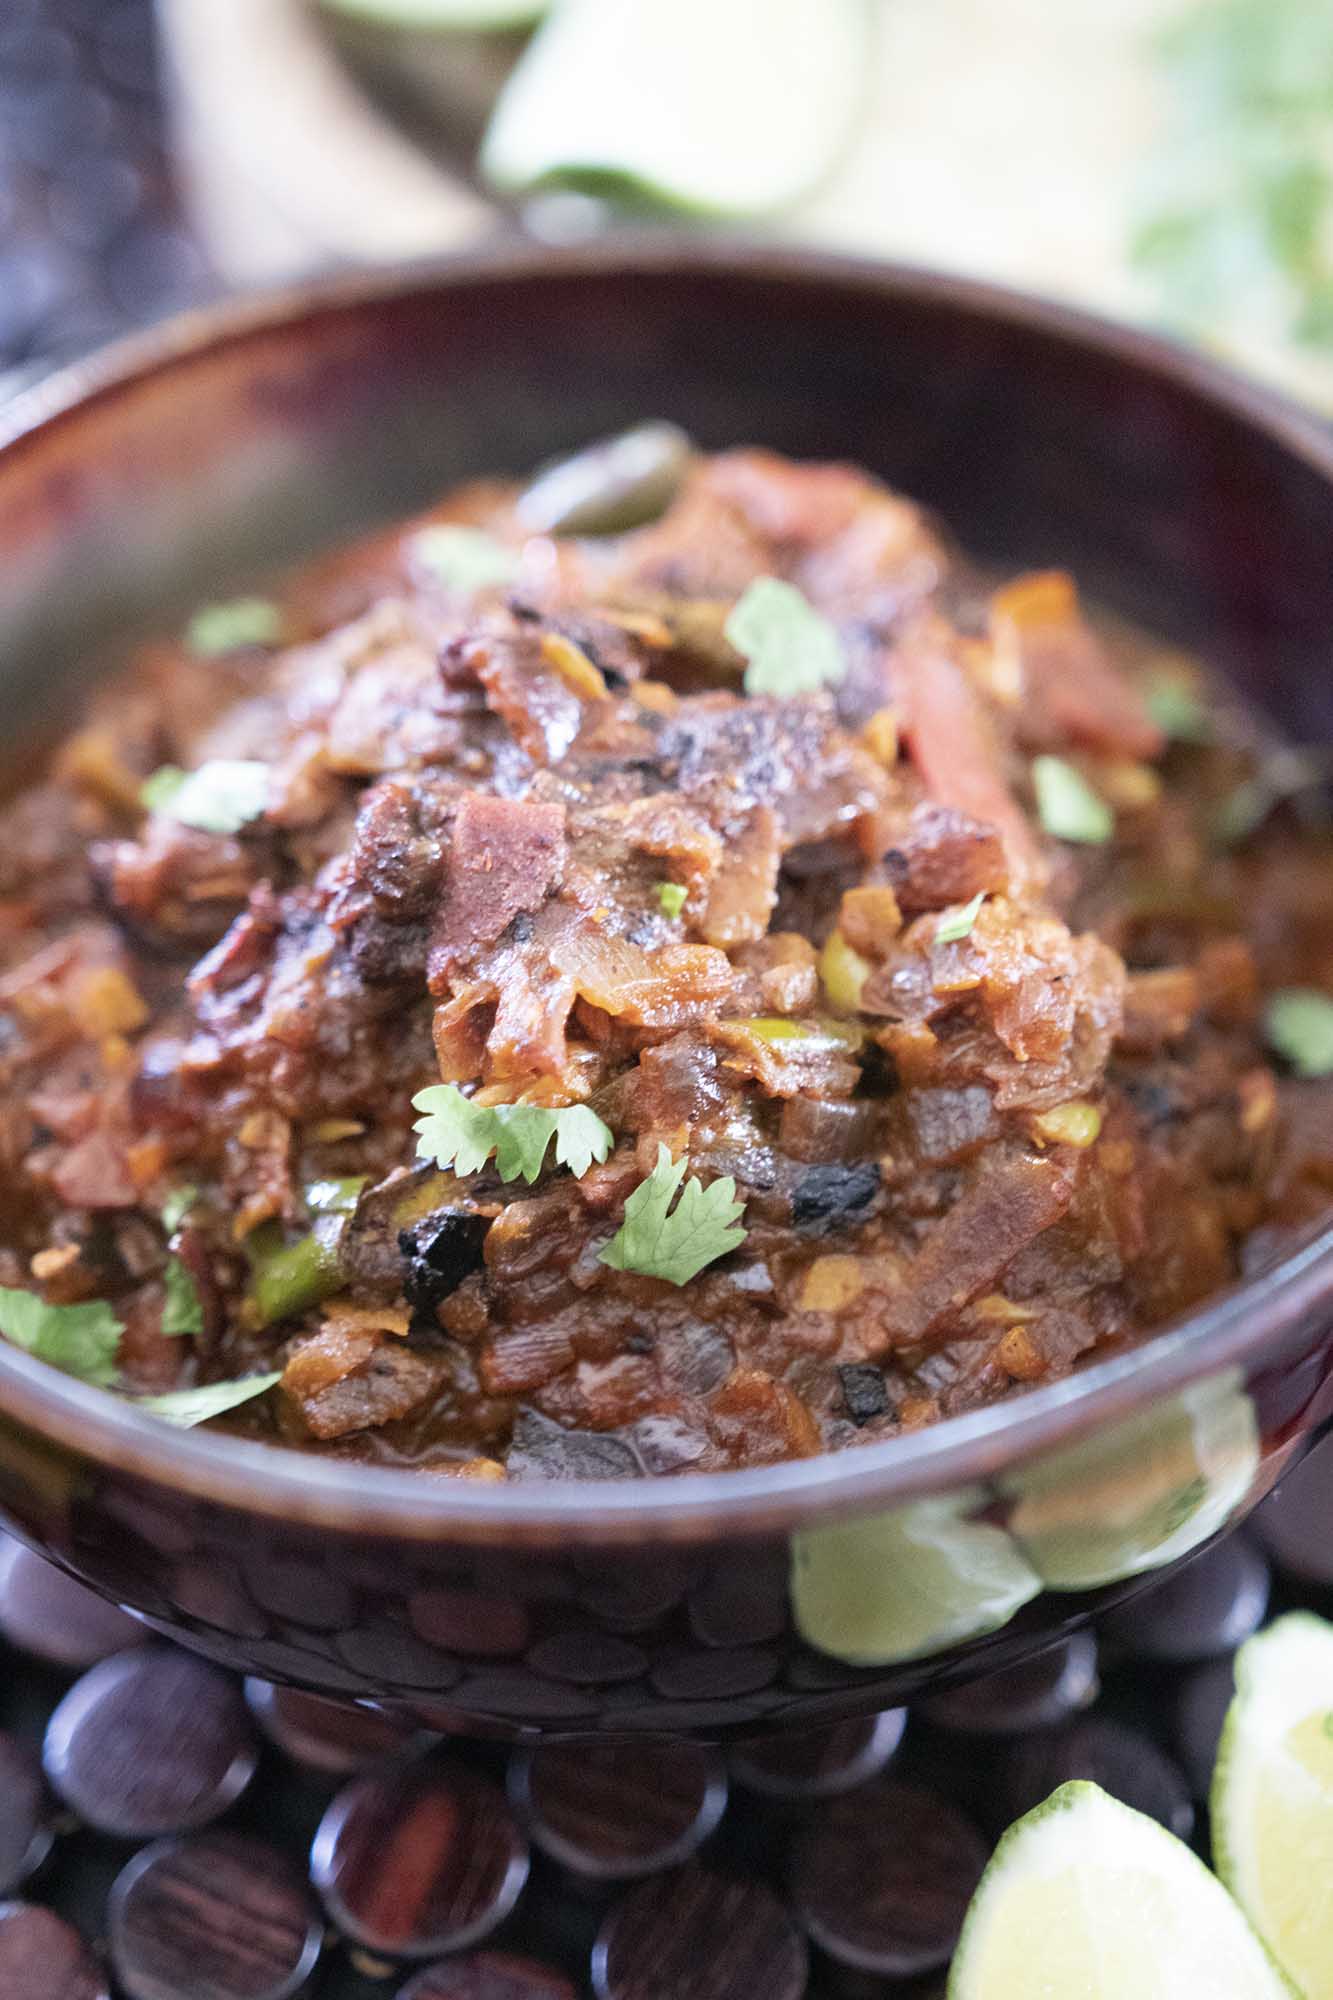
444	16
1085	1899
905	1584
1140	1494
716	107
1272	1797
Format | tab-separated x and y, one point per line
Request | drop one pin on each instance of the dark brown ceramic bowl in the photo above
172	467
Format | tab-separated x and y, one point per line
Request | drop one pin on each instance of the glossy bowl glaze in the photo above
171	469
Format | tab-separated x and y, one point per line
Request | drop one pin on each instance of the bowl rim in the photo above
1228	1331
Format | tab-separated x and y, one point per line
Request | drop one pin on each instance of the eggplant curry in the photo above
665	968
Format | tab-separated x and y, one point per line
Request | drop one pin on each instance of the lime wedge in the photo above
1087	1900
444	16
901	1585
1272	1803
1139	1494
721	107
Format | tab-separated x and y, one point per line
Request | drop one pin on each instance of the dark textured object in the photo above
1123	1762
1208	1607
265	430
610	1811
335	1738
1035	1694
437	1257
693	1935
864	1391
1295	1525
802	1764
488	1975
825	1195
214	1917
25	1831
1200	1709
419	1861
150	1742
881	1879
46	1613
43	1958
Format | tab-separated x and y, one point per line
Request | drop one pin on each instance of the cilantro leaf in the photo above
195	1406
1282	774
182	1311
225	628
177	1206
82	1340
1242	812
455	1132
157	792
789	647
1067	806
1177	708
957	923
671	898
221	796
1299	1024
463	558
675	1244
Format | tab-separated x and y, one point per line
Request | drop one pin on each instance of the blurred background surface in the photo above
1170	161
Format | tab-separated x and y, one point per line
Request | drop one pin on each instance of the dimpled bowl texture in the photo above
176	468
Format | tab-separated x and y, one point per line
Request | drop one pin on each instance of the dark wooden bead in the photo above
488	1975
1035	1694
46	1613
609	1811
215	1914
25	1831
819	1763
150	1742
43	1958
1295	1524
419	1861
1124	1763
335	1738
881	1878
1208	1607
693	1935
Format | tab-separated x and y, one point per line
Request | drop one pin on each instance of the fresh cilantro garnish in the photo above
956	924
1067	806
675	1244
1242	812
222	796
789	647
671	898
456	1133
1299	1025
1177	709
157	792
1283	774
82	1339
225	628
196	1406
177	1206
463	558
1239	206
182	1311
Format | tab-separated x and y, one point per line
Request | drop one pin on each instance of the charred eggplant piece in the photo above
825	1196
438	1254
